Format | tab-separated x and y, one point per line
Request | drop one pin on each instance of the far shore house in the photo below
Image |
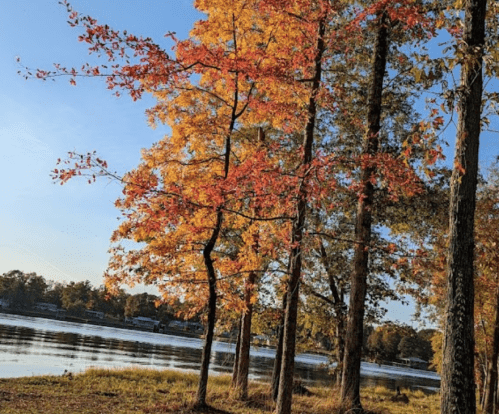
186	326
414	362
143	322
94	314
50	307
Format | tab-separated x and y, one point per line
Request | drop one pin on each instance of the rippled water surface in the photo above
37	346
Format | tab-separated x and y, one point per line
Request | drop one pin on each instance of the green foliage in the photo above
390	342
141	305
22	290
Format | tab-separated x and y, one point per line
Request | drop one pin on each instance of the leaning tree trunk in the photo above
458	385
350	384
212	309
284	396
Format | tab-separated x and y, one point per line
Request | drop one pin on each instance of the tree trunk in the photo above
276	373
284	397
212	310
491	387
340	348
244	350
350	384
245	329
208	261
458	385
339	306
236	355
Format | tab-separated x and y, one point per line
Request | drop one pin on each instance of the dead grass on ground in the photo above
148	391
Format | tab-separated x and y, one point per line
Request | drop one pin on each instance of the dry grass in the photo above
149	391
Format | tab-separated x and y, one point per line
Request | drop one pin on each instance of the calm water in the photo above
37	346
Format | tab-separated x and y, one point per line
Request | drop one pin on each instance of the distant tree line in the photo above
24	290
390	342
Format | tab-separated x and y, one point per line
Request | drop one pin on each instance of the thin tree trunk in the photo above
212	310
244	352
208	261
491	387
236	356
350	384
276	373
458	384
338	305
340	348
284	397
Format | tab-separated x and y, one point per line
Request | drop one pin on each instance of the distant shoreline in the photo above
98	322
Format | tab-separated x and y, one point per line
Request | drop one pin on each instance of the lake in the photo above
37	346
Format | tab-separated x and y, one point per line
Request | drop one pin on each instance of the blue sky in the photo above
62	232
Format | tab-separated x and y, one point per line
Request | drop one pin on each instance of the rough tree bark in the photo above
458	385
284	396
491	386
350	384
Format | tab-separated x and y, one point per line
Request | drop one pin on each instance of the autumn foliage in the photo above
266	152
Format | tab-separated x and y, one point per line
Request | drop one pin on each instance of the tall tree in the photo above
487	283
350	386
284	397
458	384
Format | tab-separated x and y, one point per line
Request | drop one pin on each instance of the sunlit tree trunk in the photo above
350	384
276	373
458	384
244	350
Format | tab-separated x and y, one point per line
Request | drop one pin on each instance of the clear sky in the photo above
62	232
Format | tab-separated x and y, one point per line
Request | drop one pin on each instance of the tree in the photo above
458	385
487	283
21	289
295	262
384	342
142	304
53	294
200	195
76	297
350	386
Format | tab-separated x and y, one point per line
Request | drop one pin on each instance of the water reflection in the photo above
35	346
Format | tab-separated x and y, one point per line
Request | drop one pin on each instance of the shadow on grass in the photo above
207	409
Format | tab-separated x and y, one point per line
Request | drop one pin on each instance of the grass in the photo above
150	391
